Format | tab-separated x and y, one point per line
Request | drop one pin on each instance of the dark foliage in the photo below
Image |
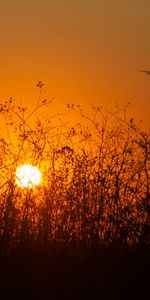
84	232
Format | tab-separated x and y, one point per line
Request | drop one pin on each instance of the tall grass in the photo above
95	187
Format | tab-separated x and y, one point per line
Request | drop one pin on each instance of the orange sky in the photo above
85	51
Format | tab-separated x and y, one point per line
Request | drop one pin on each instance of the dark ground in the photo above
102	274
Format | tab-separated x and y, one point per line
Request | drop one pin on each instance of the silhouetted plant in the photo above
95	185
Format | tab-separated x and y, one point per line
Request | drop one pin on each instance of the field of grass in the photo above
84	231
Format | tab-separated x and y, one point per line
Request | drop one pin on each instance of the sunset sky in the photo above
85	51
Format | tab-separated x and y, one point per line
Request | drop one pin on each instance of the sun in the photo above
28	176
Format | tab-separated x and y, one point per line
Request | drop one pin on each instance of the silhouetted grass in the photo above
84	232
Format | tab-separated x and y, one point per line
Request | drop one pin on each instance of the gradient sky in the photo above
85	51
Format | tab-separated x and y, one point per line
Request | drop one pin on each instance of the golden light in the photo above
28	176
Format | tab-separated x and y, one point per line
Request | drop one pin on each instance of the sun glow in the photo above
28	176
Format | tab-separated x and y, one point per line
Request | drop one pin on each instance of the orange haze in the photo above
85	51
